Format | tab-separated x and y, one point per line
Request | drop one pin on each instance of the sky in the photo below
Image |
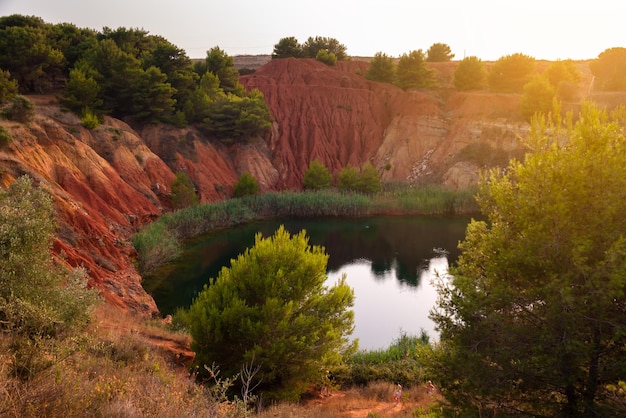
488	29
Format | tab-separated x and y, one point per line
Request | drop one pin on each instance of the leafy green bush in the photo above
37	296
470	74
510	73
19	109
183	191
402	362
8	86
317	176
412	72
328	58
381	68
89	119
538	97
5	137
245	186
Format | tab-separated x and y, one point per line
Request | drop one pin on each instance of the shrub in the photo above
348	178
381	68
183	191
20	109
317	176
37	296
510	73
328	58
245	186
5	137
470	74
538	97
89	119
8	87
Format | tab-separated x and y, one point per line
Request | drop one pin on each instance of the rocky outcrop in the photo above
110	181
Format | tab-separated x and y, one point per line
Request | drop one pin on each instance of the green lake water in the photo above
390	262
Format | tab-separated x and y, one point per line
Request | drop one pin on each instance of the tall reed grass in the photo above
159	242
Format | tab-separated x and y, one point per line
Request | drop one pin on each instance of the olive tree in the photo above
37	295
532	320
271	307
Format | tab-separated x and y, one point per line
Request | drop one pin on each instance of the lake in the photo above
390	262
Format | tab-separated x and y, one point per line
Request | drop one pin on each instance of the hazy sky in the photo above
489	29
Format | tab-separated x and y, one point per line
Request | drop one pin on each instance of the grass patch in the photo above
159	242
402	362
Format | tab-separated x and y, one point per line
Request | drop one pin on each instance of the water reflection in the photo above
389	261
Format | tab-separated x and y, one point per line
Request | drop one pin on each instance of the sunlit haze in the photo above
489	29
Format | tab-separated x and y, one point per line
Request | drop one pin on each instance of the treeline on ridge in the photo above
128	73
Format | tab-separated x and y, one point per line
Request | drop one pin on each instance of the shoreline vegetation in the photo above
160	241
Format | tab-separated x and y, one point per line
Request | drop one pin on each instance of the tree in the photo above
609	69
381	68
272	306
538	97
369	180
245	186
348	178
564	77
19	109
38	297
439	53
223	66
26	53
287	48
317	176
81	92
313	45
510	73
233	118
153	97
412	72
531	322
8	86
470	74
183	191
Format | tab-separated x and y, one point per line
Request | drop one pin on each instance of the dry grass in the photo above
125	366
374	400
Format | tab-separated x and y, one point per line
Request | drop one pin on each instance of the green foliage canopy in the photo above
439	52
510	73
382	68
470	74
538	97
609	69
37	296
317	176
288	47
532	320
412	72
272	307
183	191
245	186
